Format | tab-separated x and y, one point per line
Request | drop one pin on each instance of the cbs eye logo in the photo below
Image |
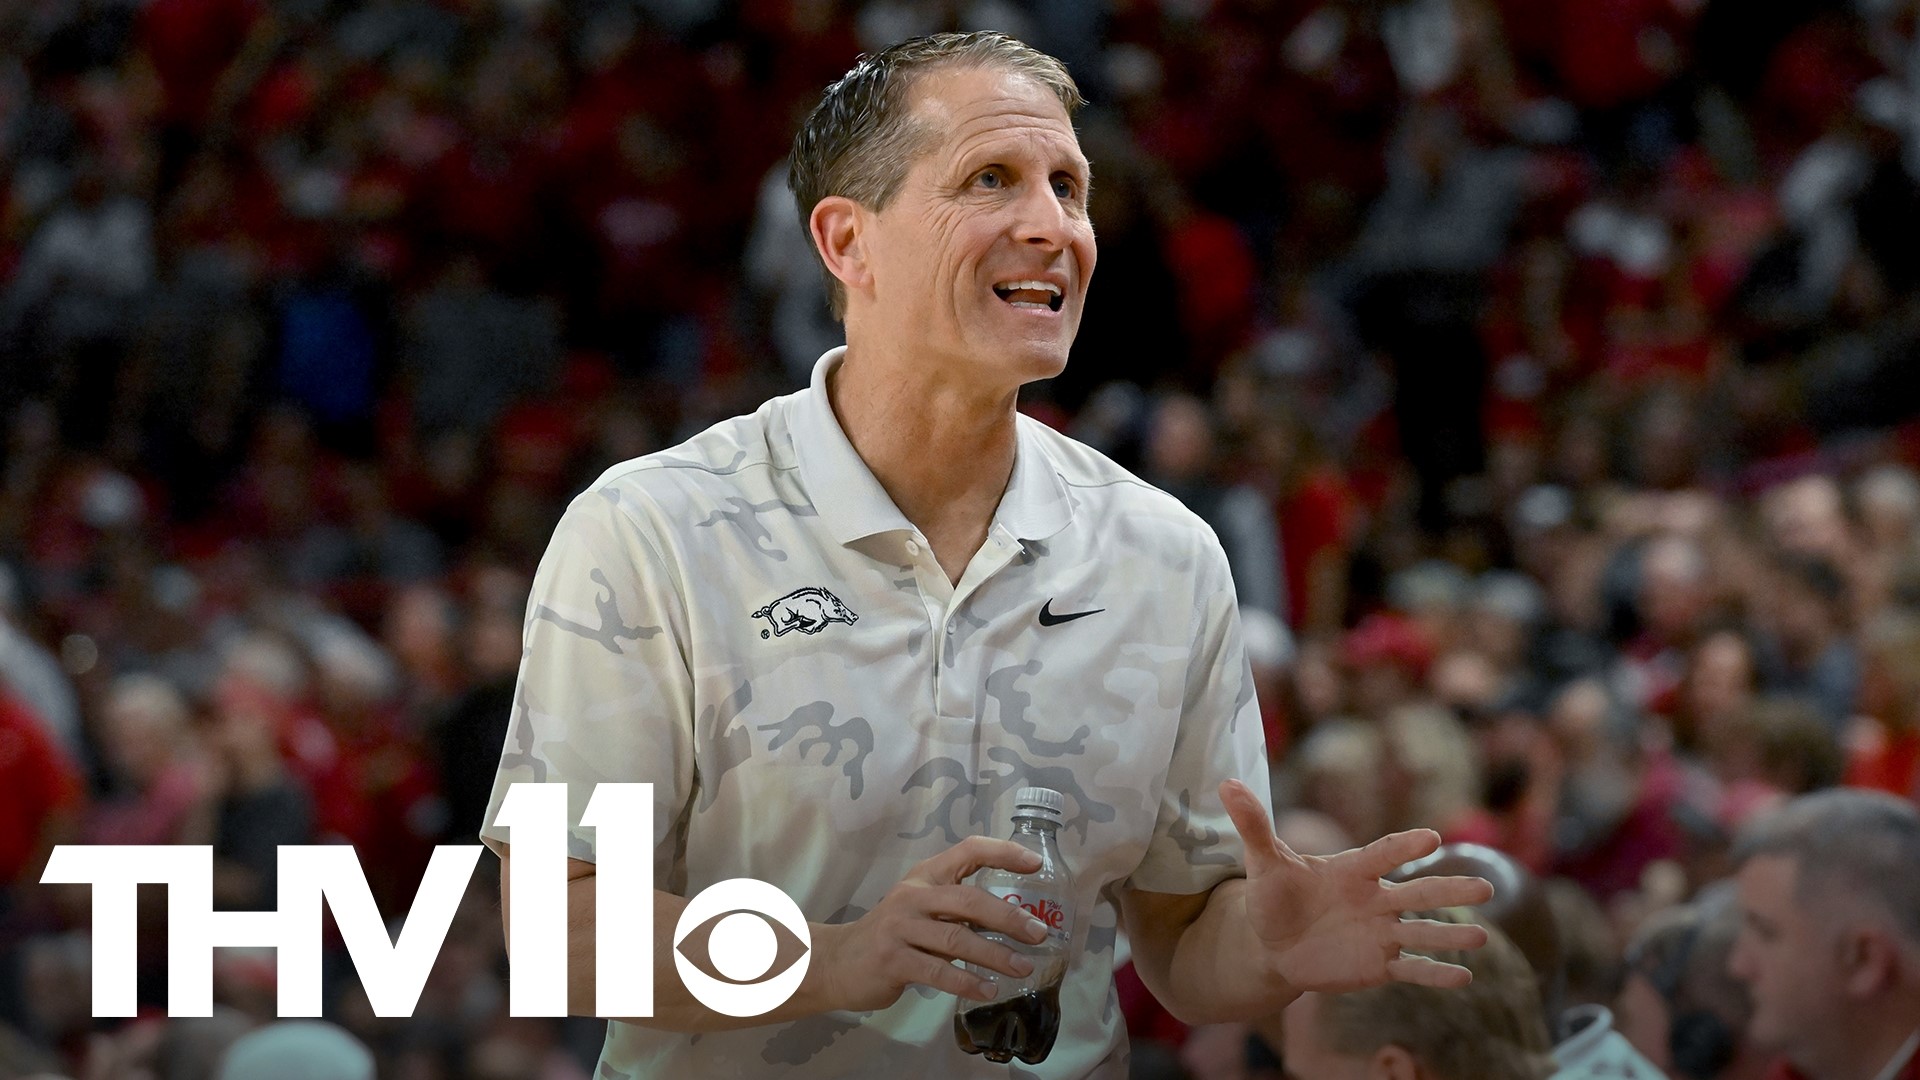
742	919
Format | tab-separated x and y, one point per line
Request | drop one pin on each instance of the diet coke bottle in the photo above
1024	1017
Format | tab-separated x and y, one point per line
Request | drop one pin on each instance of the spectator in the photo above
1519	908
1491	1030
261	807
161	784
1565	344
1829	943
1807	651
1180	460
470	349
40	795
1616	803
31	673
1883	749
1680	1007
298	1050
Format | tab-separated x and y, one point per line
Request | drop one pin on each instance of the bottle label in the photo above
1045	908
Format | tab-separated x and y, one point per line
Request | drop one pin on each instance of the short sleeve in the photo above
604	693
1195	845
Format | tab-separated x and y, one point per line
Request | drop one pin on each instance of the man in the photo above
1829	943
1492	1030
838	634
1180	455
1809	650
1524	914
1679	1005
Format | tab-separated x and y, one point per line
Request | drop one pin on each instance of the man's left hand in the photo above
1331	924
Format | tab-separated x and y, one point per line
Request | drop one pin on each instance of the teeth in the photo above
1010	286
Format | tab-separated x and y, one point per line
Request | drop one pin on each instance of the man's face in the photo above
1306	1056
1787	956
997	197
1641	1015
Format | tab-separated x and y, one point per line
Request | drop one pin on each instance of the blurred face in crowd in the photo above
1788	955
1673	588
1809	517
980	263
1181	444
1719	685
1641	1015
1889	500
142	736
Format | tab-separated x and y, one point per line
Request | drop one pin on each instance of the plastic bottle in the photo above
1024	1018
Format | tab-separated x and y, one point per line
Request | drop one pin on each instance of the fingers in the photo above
929	970
1428	935
1255	825
954	941
980	908
959	862
1386	854
1423	971
1433	893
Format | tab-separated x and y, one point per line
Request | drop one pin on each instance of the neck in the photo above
1870	1045
942	450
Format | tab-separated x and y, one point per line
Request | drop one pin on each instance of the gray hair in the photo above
860	140
1847	841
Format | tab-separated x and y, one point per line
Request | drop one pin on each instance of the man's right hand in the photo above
924	923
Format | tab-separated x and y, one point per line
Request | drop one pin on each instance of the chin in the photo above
1037	366
1762	1032
1045	357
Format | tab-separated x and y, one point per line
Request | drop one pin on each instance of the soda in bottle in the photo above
1024	1018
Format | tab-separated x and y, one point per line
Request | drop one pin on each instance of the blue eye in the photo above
1063	188
990	178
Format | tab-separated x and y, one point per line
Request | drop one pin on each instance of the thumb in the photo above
1255	826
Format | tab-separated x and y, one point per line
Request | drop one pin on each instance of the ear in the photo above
838	227
1392	1062
1869	962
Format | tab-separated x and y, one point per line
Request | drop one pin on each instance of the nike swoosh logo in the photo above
1048	618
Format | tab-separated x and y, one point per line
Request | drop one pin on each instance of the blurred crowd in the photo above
1547	367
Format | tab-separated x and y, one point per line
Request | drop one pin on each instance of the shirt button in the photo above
913	548
950	625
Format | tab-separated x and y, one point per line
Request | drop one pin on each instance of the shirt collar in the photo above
1905	1063
1036	504
852	504
1902	1058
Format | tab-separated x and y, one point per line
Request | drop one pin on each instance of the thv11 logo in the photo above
393	970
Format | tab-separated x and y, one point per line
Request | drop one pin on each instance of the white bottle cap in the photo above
1039	802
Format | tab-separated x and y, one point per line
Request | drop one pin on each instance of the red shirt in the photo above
190	43
36	783
1313	519
1887	761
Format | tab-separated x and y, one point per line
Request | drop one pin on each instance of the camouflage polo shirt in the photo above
747	622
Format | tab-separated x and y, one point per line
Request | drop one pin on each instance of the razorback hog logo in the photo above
807	610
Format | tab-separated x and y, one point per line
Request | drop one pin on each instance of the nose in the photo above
1043	220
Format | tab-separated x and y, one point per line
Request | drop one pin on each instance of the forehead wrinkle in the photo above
987	116
1021	141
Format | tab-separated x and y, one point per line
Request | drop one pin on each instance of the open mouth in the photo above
1031	295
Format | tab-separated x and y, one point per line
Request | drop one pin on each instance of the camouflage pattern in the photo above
900	715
